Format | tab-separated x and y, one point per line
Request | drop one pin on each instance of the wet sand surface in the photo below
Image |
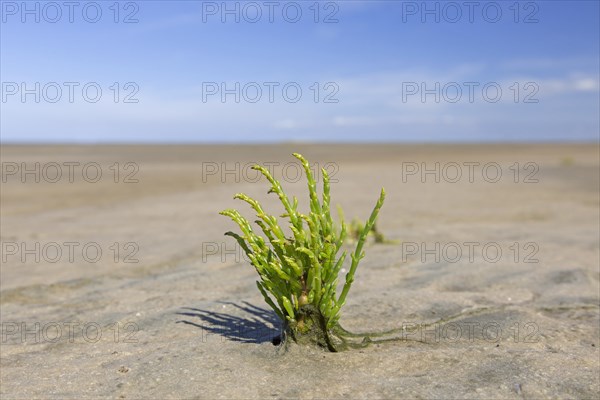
123	286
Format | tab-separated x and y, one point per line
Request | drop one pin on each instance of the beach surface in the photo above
116	279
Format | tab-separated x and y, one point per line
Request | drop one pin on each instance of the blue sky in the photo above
357	70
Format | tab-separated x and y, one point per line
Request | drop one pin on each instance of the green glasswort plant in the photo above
299	274
356	228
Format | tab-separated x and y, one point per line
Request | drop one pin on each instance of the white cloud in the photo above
586	85
286	124
367	103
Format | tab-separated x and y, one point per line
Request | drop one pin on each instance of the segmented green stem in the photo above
358	253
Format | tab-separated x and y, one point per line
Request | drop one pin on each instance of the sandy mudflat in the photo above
186	320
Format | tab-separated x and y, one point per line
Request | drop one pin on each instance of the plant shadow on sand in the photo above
260	326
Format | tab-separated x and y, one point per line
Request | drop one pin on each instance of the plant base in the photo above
311	330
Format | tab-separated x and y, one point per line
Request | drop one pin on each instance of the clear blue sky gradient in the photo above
373	58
